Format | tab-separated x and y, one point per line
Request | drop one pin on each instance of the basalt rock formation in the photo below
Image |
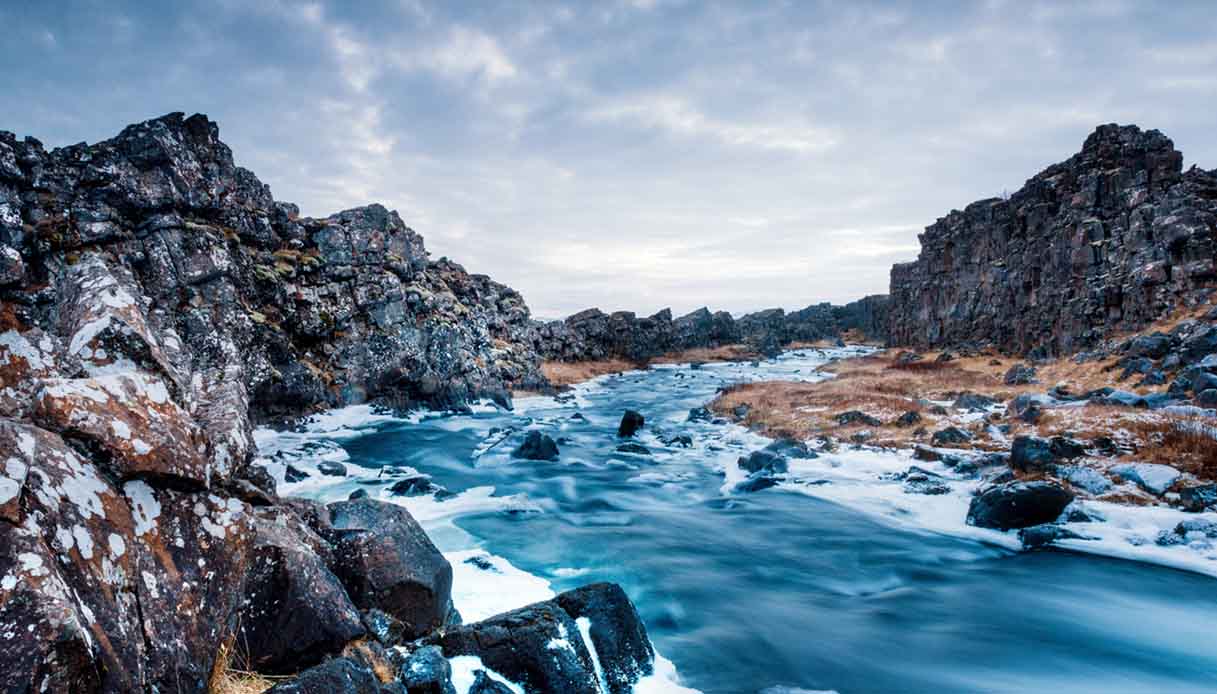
155	303
592	335
1110	240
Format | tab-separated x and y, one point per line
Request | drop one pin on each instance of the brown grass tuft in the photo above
562	373
228	679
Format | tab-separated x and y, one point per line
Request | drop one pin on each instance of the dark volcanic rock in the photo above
633	448
617	633
386	561
763	461
1018	505
1031	454
791	448
631	422
1020	374
295	610
536	446
857	417
426	671
1110	240
337	676
950	435
1199	498
537	647
908	419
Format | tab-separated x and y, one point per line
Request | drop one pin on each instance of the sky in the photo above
631	155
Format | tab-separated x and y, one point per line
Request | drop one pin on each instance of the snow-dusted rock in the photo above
1151	477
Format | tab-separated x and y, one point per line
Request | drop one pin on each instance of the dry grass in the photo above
562	373
1186	443
708	354
228	679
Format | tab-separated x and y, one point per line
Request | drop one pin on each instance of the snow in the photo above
464	668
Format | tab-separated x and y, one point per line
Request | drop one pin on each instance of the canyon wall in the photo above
595	335
1110	240
155	303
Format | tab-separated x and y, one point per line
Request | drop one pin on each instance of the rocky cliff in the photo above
155	303
1109	240
594	335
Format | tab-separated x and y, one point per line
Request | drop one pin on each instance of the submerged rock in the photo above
631	422
633	448
536	446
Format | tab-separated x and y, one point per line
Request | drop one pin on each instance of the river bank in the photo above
835	541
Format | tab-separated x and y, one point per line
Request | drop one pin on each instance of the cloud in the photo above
675	115
632	155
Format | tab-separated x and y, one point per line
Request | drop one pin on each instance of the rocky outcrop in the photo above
1109	240
593	335
155	303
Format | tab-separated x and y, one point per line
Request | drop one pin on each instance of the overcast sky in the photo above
634	154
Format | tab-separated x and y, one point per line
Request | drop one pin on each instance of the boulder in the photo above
1031	454
1020	375
484	684
1151	477
536	446
1199	498
1085	478
790	448
385	561
295	609
1018	505
950	435
538	647
631	422
908	419
426	671
633	448
337	676
763	461
332	469
973	402
852	417
611	627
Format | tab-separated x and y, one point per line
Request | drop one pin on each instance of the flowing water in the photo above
777	591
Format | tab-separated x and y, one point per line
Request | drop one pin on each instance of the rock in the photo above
1189	531
1207	397
1085	478
904	358
426	671
382	626
291	474
700	414
633	448
950	435
763	461
1198	498
1043	535
337	676
1018	505
741	411
295	610
418	485
1032	454
908	419
631	422
536	446
682	440
973	402
929	486
616	632
756	482
386	561
1020	375
1066	448
133	419
790	448
483	684
332	469
1151	477
537	647
852	417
